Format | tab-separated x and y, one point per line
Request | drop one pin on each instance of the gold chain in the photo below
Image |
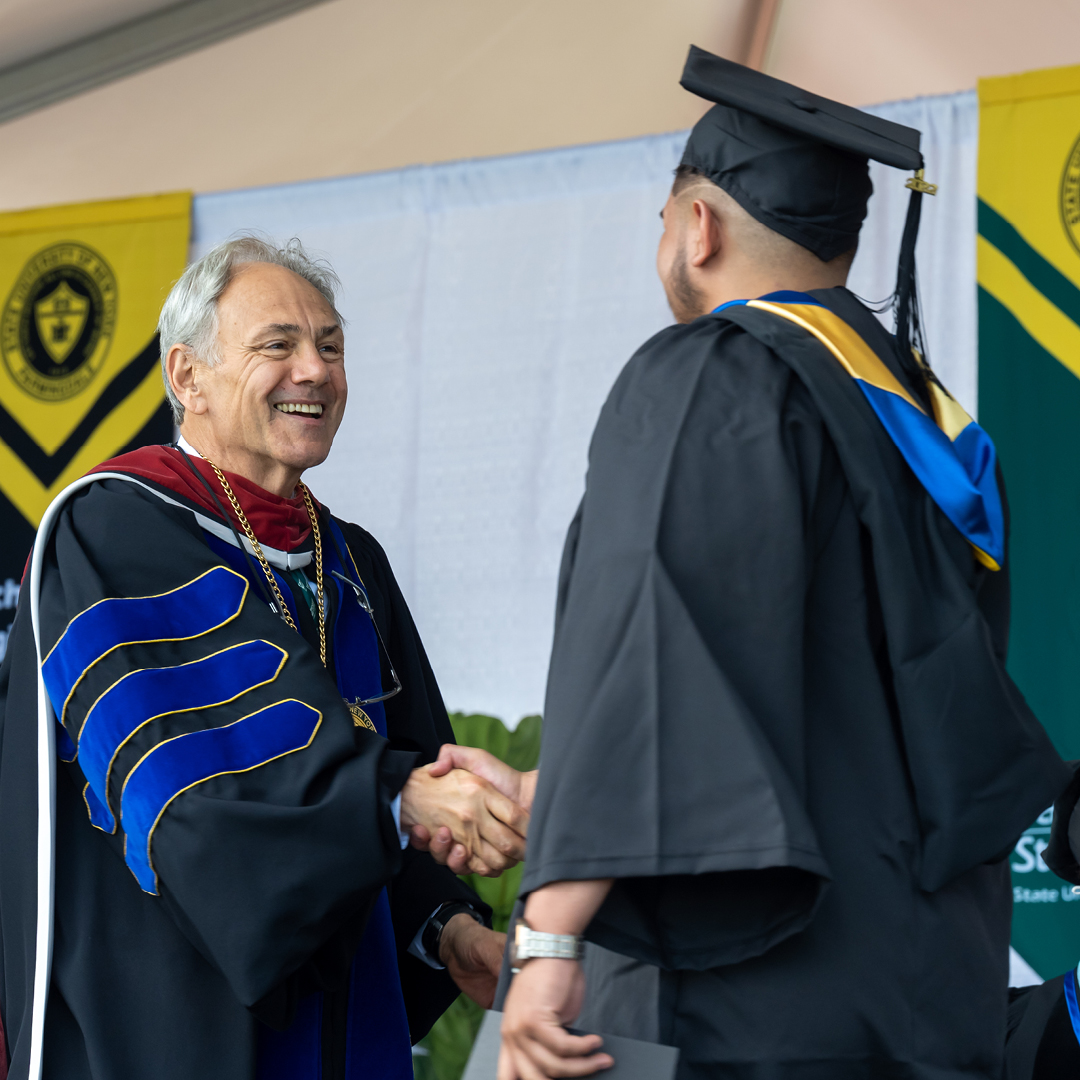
320	596
257	548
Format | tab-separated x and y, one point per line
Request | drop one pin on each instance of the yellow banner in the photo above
1029	213
81	288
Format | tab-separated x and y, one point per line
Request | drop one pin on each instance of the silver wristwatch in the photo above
532	944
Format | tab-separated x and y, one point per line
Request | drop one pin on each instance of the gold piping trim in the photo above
89	812
169	712
352	559
224	772
145	641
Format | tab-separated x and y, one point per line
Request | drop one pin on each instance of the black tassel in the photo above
910	343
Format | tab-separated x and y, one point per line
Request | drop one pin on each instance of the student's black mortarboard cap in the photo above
800	112
797	162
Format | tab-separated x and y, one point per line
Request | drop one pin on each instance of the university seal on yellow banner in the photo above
1070	195
58	322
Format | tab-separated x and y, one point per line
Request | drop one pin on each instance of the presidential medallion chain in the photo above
256	547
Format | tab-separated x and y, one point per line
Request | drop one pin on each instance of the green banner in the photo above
1029	401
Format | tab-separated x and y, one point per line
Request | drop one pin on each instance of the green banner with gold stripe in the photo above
1029	401
81	287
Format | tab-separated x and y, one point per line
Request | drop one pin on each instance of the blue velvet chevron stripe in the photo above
178	764
143	695
1071	1003
296	1052
203	604
950	455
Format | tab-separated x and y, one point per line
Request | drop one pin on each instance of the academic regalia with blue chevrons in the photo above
232	900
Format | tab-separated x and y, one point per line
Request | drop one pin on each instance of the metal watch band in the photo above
532	944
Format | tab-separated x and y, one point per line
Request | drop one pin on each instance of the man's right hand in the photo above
517	786
486	829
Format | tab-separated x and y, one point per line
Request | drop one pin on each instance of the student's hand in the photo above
486	829
516	786
473	956
547	994
519	786
544	996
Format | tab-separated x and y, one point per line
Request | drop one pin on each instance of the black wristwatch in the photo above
432	935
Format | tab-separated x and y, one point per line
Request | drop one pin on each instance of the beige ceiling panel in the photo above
868	51
133	46
358	85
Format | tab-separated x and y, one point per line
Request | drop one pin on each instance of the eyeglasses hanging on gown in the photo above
365	603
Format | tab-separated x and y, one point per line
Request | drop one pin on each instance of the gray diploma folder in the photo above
634	1060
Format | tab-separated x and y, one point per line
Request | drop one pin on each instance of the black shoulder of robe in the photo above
981	764
670	755
264	876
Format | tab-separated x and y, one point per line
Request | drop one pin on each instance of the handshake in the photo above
469	810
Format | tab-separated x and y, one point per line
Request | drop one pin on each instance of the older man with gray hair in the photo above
242	707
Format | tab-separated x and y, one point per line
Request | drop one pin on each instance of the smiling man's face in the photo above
271	406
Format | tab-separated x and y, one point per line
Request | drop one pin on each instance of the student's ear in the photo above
704	234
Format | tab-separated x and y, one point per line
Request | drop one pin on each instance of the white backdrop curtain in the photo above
490	305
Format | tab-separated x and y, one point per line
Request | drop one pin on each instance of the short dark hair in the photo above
687	175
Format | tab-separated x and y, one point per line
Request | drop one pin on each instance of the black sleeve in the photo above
421	887
272	858
671	755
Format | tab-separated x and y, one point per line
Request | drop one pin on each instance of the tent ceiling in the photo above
335	87
35	27
52	49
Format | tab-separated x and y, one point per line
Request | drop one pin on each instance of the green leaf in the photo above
500	893
449	1042
444	1053
519	748
524	752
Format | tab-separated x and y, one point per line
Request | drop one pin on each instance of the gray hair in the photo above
189	315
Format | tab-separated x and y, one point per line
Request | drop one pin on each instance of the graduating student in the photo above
239	701
782	759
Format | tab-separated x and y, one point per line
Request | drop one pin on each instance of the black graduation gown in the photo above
265	877
752	573
1042	1043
